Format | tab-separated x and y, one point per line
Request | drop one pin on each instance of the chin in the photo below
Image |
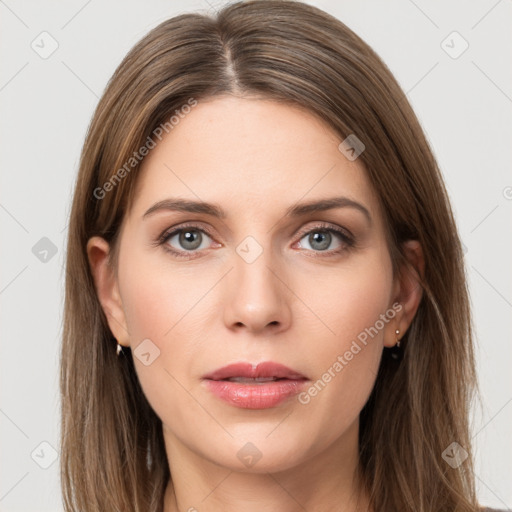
254	451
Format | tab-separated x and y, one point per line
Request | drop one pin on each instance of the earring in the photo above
397	351
119	349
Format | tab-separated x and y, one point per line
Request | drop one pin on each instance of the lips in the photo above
255	372
251	386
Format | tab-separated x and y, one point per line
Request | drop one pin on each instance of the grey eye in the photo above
318	239
189	239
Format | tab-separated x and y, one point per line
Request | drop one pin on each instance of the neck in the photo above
324	482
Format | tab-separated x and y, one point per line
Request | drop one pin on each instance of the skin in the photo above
255	158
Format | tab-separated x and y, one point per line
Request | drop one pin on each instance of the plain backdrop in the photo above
462	96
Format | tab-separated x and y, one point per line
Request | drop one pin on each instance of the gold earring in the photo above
396	351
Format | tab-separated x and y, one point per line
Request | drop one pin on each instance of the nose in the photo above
256	296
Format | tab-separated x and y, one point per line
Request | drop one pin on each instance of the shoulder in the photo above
492	510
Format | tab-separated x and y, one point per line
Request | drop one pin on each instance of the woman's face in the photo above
266	282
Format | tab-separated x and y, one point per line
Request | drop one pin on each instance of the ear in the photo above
408	290
107	289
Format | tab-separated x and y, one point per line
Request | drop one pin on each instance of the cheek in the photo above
157	301
159	307
361	299
148	313
347	300
354	306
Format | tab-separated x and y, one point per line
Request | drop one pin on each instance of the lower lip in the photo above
255	396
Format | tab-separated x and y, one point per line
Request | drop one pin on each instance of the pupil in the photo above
190	237
323	238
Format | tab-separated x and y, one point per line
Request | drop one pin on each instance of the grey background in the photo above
464	105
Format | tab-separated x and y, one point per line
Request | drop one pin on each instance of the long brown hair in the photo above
112	450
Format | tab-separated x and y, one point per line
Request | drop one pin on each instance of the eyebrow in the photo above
215	210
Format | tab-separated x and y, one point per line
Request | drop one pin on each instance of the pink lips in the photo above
254	386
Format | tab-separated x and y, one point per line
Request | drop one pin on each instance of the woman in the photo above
266	306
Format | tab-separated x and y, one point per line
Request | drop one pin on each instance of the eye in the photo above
185	239
320	238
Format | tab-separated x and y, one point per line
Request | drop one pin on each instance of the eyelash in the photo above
346	238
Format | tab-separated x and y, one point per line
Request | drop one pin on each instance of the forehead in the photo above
250	155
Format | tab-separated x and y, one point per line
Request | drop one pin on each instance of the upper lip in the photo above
249	370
